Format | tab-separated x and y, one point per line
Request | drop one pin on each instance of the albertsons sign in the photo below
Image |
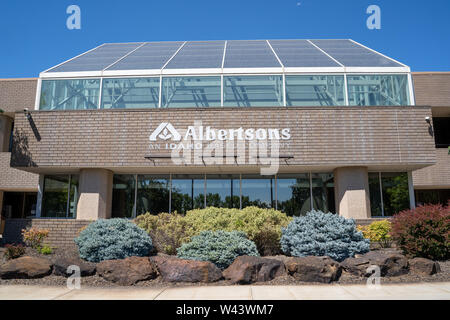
166	131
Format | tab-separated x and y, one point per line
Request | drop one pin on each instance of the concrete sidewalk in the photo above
426	291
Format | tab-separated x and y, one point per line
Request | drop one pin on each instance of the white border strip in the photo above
323	51
82	54
359	44
126	55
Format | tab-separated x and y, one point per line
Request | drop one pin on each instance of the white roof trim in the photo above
71	59
126	55
324	52
359	44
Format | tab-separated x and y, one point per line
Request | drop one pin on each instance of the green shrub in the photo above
219	247
423	232
14	251
323	234
378	231
263	226
107	239
168	231
45	250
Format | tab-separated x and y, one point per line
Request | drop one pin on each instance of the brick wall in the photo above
13	179
436	176
321	136
16	94
61	231
432	89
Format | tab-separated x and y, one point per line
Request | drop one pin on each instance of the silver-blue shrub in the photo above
323	234
108	239
219	247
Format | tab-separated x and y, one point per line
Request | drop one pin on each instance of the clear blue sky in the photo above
34	36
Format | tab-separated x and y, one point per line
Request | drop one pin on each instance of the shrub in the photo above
423	232
378	231
263	226
34	237
108	239
168	231
45	250
323	234
14	251
219	247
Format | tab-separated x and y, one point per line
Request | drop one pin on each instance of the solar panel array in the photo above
227	54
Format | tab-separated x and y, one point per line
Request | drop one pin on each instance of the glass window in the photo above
315	90
181	92
323	192
436	196
441	132
257	191
152	194
123	199
72	94
60	196
378	90
394	195
223	191
253	91
293	193
395	192
130	93
375	195
188	192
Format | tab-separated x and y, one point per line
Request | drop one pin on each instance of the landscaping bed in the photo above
219	246
285	279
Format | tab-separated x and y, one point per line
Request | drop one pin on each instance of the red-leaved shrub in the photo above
423	232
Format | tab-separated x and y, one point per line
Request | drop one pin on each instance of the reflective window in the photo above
152	194
392	197
257	191
323	191
60	196
436	196
378	90
73	94
376	207
188	192
253	91
293	194
130	93
315	90
395	192
181	92
123	199
223	191
441	130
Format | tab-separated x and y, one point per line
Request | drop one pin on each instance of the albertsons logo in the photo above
165	131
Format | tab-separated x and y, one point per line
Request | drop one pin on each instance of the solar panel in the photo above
249	54
97	59
351	54
300	53
198	54
152	55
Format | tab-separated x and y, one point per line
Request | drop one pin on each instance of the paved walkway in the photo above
426	291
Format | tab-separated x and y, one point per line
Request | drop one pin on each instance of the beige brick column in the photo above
95	194
5	132
351	189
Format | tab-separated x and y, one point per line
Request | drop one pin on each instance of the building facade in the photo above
293	125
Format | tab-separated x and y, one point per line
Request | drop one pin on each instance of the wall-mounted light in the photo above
27	113
428	120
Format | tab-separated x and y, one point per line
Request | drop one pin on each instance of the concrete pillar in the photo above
95	194
5	132
351	189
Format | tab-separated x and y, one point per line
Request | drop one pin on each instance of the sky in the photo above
34	35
